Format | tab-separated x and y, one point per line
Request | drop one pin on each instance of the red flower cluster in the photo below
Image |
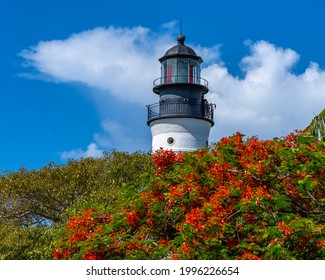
80	229
163	158
133	218
284	228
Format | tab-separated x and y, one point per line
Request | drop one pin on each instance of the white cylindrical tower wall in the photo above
180	134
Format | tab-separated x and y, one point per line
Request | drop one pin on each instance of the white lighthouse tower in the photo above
182	119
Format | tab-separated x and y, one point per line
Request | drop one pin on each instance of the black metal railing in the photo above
180	79
181	108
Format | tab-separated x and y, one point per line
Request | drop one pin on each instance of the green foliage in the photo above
317	126
243	199
21	243
33	203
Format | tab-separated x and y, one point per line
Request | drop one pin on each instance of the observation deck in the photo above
181	108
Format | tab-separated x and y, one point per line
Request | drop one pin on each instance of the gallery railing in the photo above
180	79
181	108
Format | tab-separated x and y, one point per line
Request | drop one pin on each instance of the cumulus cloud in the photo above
121	61
269	99
91	151
117	134
113	134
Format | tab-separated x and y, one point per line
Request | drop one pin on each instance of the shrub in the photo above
242	199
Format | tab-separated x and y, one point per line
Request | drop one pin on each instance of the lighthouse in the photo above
182	119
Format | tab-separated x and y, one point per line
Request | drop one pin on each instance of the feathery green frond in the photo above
317	126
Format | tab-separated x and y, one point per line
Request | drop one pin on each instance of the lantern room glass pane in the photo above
182	70
163	71
171	70
194	71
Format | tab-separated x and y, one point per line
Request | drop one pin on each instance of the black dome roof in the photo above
180	50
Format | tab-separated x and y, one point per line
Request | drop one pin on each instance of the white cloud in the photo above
112	136
115	134
171	25
91	151
270	100
121	61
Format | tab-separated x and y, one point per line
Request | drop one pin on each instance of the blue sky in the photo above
76	75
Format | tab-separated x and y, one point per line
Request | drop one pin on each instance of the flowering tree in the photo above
243	199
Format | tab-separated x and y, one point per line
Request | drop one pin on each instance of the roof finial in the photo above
181	37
